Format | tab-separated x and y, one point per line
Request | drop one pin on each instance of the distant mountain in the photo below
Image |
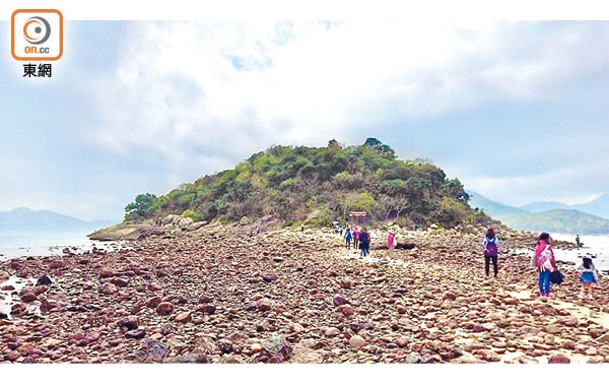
492	208
25	219
542	206
598	207
554	220
561	221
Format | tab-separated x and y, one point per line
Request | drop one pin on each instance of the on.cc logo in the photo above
36	30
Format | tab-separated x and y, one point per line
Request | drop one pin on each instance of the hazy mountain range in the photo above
589	218
25	219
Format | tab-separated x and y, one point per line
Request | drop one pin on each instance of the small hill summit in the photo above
294	186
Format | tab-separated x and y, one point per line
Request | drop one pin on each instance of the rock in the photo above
552	329
28	296
154	287
339	300
108	289
18	309
449	296
128	323
106	272
487	355
43	280
559	358
56	264
153	352
184	317
413	358
346	310
357	342
153	302
302	354
256	348
208	309
245	221
297	328
276	349
195	226
120	282
136	334
164	308
205	299
489	326
264	304
269	277
4	276
331	332
402	341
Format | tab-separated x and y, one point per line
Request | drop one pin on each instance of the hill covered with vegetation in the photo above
561	221
317	186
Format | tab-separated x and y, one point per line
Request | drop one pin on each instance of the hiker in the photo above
577	240
355	237
545	263
391	242
587	278
364	242
348	237
491	250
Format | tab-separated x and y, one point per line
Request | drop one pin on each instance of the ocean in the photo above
596	247
18	244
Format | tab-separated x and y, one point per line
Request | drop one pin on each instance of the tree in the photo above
143	207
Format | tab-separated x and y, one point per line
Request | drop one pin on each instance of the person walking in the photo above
355	237
364	242
391	242
491	250
545	263
587	278
348	237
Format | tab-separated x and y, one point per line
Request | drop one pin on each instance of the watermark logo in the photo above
37	34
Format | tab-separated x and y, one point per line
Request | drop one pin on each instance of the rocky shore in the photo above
219	296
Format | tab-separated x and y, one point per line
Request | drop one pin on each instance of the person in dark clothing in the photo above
364	242
491	250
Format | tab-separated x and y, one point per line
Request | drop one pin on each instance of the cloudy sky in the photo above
517	110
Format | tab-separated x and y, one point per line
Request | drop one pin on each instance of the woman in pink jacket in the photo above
545	263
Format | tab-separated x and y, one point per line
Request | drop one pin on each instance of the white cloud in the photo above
203	95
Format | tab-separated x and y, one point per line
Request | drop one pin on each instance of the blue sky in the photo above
515	110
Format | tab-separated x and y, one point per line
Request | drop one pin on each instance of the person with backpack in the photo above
545	263
491	250
391	242
364	242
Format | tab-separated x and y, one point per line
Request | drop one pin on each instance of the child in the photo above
588	277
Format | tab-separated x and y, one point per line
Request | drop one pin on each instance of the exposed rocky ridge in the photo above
295	297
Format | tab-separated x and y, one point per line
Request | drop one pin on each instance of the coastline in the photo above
288	296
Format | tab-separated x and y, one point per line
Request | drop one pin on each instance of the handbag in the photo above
556	277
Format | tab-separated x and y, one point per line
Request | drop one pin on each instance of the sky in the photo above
516	110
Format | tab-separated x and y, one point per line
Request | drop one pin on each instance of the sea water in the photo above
595	247
48	243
